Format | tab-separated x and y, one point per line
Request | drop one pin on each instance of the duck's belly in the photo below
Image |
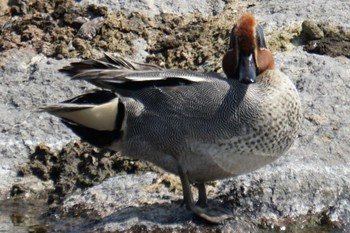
207	161
212	162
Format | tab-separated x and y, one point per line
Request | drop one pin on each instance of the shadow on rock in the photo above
150	218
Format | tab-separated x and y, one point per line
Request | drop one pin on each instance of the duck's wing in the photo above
107	62
117	73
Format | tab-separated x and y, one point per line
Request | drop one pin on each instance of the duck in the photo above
200	126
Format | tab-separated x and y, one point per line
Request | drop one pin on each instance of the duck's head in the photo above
247	56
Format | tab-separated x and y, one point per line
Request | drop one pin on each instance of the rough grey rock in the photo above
29	80
279	13
126	200
151	8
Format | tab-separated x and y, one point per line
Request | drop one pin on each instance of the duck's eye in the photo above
260	37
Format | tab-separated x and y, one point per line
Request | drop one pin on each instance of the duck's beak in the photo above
247	68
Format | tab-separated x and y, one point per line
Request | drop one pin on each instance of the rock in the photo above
306	189
29	80
325	39
311	30
274	15
90	28
152	8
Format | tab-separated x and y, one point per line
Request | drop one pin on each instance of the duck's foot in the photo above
213	214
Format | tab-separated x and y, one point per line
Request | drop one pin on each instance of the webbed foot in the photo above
213	214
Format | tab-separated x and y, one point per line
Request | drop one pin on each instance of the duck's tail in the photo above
96	117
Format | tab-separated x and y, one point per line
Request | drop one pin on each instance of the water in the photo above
22	217
18	216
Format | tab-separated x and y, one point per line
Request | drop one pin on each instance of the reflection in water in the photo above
19	216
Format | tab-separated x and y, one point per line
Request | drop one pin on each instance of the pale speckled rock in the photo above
278	13
124	201
29	80
151	8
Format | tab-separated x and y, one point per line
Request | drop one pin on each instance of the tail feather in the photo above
128	64
107	62
55	109
98	123
99	117
98	138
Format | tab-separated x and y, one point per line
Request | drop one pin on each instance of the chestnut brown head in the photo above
247	56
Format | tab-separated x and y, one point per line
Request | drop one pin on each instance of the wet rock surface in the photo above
55	185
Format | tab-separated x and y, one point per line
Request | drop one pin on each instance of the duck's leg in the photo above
186	189
202	195
207	214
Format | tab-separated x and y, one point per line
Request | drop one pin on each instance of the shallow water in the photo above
18	216
27	217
